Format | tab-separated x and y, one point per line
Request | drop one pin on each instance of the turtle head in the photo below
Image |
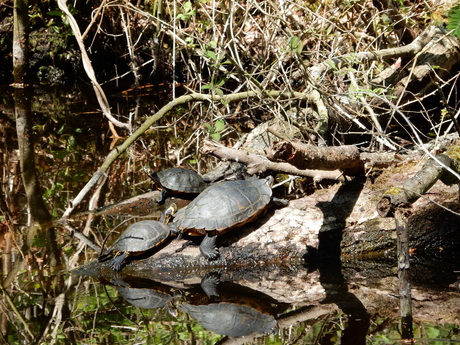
153	175
270	181
168	213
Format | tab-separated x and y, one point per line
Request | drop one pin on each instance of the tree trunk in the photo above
20	43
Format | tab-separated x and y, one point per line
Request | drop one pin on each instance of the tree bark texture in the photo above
20	42
418	185
405	296
304	156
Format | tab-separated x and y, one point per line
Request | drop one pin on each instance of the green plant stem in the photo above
15	310
194	97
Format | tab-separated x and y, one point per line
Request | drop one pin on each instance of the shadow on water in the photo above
53	149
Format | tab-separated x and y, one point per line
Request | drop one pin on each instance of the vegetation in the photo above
169	75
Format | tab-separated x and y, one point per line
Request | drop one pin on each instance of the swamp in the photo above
351	110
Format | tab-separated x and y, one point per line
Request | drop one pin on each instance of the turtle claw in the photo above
208	247
211	255
117	261
115	266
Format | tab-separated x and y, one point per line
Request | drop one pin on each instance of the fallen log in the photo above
340	221
433	170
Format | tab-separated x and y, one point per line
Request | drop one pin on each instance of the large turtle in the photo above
231	319
223	206
135	240
177	181
230	309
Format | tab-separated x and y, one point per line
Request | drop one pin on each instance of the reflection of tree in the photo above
39	218
337	292
39	214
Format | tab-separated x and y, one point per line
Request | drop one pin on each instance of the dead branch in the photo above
194	97
306	156
316	71
100	94
257	164
418	185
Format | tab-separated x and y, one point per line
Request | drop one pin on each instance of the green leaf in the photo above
454	21
331	64
183	17
210	54
55	13
215	136
219	92
294	43
220	125
187	7
221	81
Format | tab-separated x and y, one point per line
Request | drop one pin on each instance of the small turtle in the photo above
177	181
135	240
147	298
221	207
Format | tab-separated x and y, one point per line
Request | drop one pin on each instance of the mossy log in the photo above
438	168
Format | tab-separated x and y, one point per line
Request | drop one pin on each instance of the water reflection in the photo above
225	308
230	309
333	303
326	309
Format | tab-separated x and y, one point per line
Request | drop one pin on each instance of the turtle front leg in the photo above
208	246
118	260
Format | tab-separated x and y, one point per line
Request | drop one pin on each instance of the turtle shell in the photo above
141	236
145	298
230	319
179	180
225	205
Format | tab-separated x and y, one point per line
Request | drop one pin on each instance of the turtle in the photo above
147	298
230	319
230	309
223	206
135	240
177	181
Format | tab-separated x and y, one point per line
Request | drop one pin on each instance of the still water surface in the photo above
49	299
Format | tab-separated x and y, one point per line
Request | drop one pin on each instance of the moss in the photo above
394	191
454	154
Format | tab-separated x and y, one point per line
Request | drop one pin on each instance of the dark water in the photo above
44	303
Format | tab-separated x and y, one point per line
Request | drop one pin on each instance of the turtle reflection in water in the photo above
221	207
137	239
177	181
147	298
142	292
235	311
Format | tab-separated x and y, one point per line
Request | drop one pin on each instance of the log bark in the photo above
418	185
304	156
257	164
340	221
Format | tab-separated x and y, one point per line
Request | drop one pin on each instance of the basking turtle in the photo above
135	240
221	207
177	181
